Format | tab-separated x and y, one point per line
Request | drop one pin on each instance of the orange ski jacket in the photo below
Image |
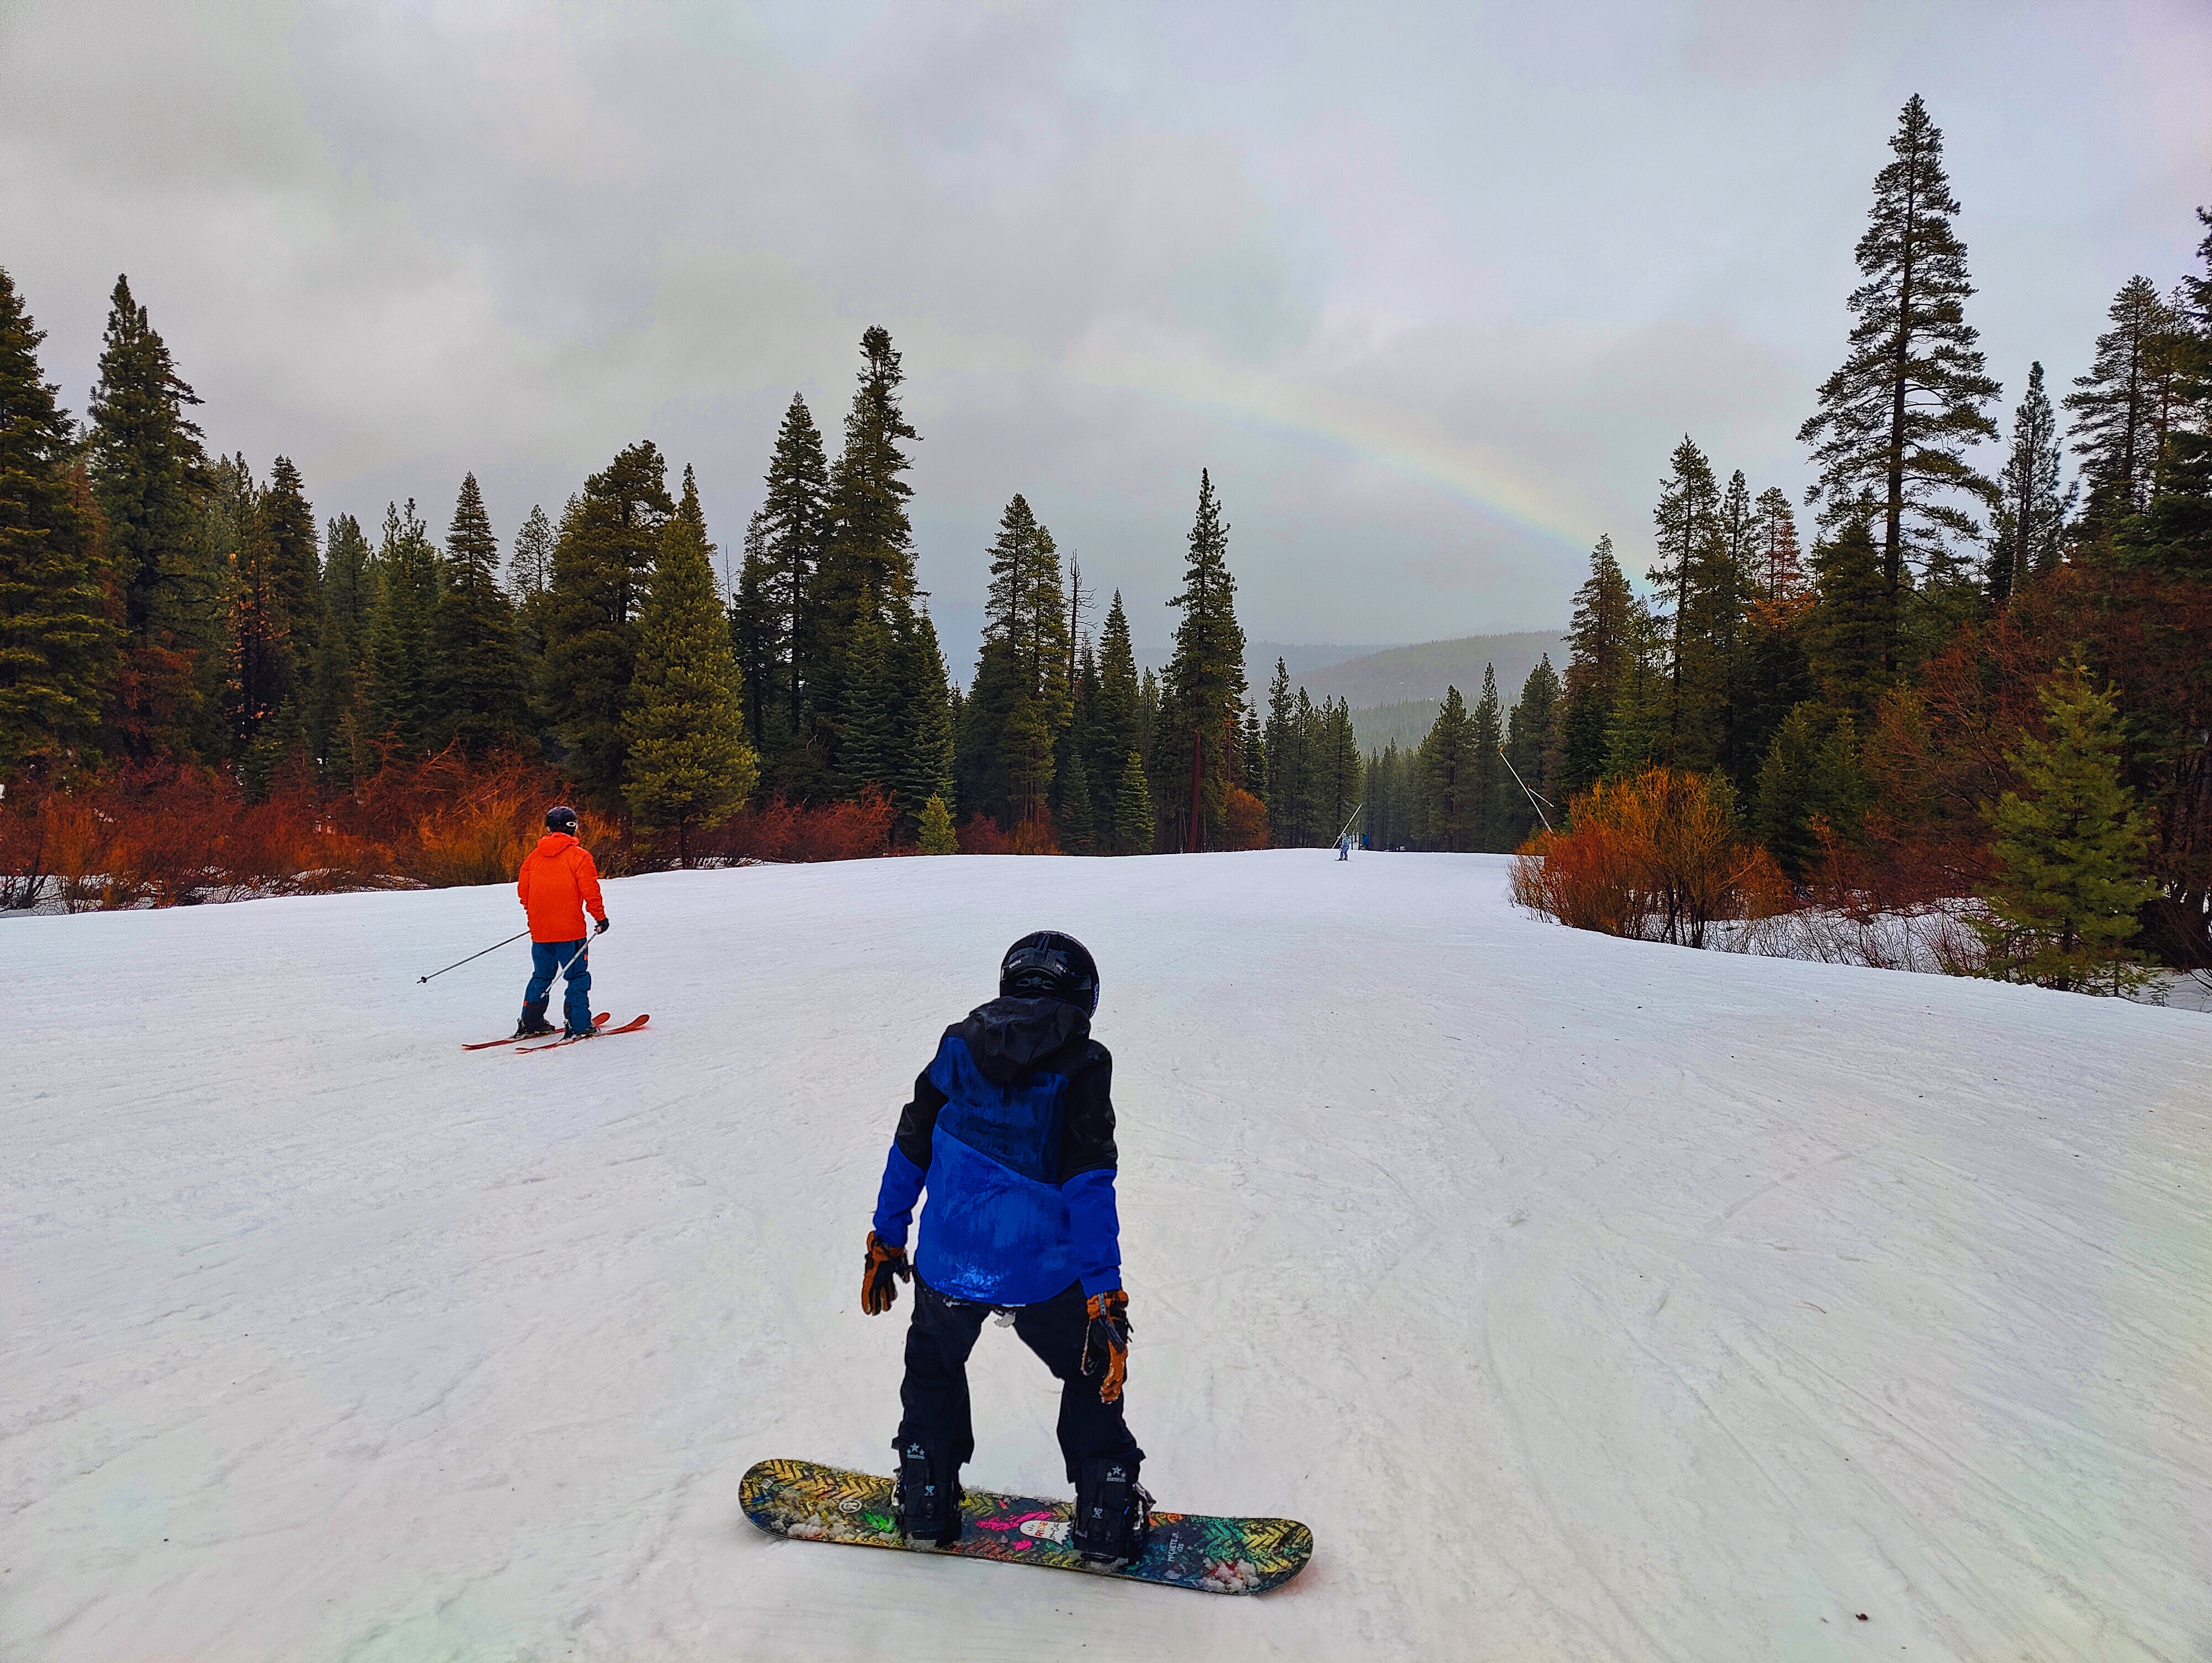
557	883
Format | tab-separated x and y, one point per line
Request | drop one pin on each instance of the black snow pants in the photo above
934	1393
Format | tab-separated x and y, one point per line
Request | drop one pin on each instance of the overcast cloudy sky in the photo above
1432	289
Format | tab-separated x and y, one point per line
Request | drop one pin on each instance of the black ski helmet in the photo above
1050	966
561	819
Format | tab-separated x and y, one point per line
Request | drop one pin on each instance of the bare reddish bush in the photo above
981	836
782	831
1655	857
1244	820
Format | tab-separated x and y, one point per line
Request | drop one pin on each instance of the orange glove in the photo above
879	1278
1109	1332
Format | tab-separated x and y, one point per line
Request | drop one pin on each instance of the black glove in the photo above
1109	1332
879	1278
606	924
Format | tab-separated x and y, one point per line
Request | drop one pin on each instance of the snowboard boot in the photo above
1112	1512
927	1495
533	1021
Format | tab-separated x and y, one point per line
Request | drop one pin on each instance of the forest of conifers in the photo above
178	628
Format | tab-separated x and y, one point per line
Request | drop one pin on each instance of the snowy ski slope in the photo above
1591	1300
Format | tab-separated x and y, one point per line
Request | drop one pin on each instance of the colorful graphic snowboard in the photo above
815	1504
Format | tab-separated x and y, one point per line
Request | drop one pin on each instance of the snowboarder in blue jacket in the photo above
1011	1131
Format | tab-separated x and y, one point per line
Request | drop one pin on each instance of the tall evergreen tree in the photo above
1486	766
1204	680
261	670
1528	731
788	617
607	545
482	695
2118	406
2174	537
1133	830
1286	759
336	718
1850	625
688	764
295	563
56	643
402	667
2031	519
530	572
1076	809
1114	716
149	474
1897	417
923	768
1779	563
1685	524
2069	852
1604	626
1448	787
1017	706
758	635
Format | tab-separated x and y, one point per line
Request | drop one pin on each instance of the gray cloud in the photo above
1432	289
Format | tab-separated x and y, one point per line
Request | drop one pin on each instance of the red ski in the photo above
599	1021
630	1027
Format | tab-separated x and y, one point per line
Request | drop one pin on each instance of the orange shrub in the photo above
1654	858
981	836
782	831
1244	820
1034	836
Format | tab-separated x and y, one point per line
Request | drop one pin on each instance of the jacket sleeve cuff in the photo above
900	1189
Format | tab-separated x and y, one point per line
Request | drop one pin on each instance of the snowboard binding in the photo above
1112	1512
927	1495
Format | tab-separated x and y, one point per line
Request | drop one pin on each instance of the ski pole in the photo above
458	962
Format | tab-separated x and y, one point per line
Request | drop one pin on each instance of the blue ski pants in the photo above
546	958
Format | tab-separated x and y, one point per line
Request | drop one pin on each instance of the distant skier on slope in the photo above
557	883
1010	1131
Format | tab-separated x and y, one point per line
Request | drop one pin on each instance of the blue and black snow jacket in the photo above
1011	1131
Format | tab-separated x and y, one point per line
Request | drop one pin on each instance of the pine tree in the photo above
481	696
1015	710
937	834
758	626
1113	715
1849	627
2174	537
923	766
1486	766
1448	784
1528	730
56	643
1640	707
281	741
2030	519
795	524
1133	830
1074	819
336	720
1897	418
261	672
1811	774
2070	851
689	763
1204	680
607	545
1604	626
149	474
530	572
403	668
2116	406
1286	759
295	564
1684	523
1783	585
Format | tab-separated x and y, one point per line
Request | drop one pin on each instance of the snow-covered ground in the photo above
1590	1299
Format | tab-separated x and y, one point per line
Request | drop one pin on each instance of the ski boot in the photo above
1112	1512
927	1495
533	1021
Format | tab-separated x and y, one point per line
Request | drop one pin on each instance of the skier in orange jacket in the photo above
557	882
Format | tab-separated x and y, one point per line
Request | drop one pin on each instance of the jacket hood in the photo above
1009	1037
554	842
